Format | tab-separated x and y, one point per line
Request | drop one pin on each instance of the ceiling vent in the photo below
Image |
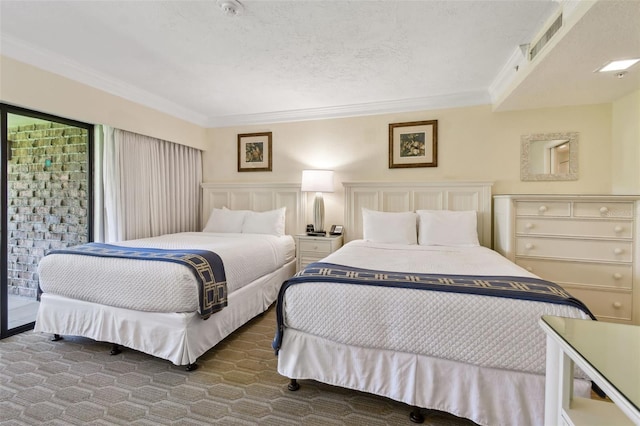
542	41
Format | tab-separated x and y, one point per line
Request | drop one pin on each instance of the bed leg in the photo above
416	415
56	337
115	350
192	367
293	385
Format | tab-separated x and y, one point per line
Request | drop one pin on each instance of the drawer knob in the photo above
618	228
604	210
528	246
617	305
617	276
617	250
542	209
528	225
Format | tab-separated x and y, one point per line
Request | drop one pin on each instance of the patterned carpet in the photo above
76	382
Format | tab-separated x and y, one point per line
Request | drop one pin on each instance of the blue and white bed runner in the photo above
524	288
207	267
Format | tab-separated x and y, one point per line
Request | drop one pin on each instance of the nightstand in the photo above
311	249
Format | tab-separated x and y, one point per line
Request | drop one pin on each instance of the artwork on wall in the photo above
254	152
413	144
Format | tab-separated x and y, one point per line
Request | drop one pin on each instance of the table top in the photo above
613	350
327	236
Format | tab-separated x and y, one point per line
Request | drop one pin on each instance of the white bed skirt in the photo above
487	396
178	337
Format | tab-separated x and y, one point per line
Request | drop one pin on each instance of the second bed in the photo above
480	357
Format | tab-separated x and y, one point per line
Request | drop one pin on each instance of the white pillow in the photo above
448	228
225	220
269	222
389	227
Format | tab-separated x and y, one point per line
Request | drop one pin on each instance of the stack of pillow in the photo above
246	221
424	227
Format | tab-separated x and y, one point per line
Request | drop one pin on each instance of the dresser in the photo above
588	244
311	249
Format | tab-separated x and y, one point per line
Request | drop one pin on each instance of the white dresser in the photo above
588	244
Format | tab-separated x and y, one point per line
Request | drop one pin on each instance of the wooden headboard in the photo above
257	197
412	196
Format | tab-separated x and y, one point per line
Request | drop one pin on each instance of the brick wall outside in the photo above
48	205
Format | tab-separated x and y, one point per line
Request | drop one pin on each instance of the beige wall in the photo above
33	88
474	144
625	168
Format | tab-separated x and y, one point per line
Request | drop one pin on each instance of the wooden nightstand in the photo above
311	249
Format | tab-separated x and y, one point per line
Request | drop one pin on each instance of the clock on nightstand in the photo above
311	249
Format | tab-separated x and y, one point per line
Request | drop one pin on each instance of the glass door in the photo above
46	203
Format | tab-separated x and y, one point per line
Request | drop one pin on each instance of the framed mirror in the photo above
549	156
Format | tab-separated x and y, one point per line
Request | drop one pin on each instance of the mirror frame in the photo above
525	166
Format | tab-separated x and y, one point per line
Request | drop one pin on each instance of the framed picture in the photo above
413	144
254	152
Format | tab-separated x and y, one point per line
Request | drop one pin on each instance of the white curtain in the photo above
151	186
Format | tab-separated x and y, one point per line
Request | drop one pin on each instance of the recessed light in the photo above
619	65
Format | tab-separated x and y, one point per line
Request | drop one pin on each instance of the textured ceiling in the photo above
565	75
280	59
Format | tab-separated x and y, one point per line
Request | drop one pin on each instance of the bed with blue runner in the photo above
206	266
523	288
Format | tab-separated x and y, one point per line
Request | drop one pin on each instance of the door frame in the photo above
6	109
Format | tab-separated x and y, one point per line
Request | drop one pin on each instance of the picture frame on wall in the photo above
413	144
254	152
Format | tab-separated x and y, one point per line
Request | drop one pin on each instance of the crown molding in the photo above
65	67
479	97
44	59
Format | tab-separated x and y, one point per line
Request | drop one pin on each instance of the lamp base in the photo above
318	213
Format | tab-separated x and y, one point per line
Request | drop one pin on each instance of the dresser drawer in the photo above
575	227
313	249
307	258
611	210
316	246
543	208
604	305
607	275
616	251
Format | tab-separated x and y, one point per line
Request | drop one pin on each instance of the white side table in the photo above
311	249
609	354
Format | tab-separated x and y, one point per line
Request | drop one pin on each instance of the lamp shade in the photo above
317	181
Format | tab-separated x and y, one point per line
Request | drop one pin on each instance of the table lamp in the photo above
317	181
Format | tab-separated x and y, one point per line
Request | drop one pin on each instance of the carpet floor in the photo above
77	382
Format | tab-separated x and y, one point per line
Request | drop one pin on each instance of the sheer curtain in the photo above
151	187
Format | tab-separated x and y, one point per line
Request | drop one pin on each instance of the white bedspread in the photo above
157	286
480	330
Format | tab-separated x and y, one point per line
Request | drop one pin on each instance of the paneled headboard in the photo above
257	197
412	196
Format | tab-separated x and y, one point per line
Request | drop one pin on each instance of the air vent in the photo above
542	42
